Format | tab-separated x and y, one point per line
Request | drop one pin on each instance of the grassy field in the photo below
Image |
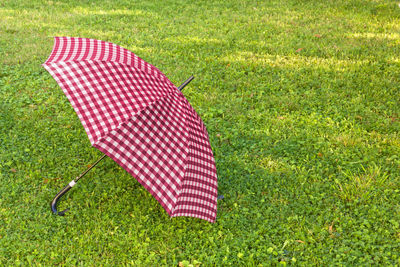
301	102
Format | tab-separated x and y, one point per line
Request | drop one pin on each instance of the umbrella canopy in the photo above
132	113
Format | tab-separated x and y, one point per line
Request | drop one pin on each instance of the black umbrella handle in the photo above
58	196
55	200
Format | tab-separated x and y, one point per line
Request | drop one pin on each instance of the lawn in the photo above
301	102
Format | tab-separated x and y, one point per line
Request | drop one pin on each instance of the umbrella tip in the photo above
180	88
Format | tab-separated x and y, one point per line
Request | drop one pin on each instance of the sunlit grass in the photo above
370	35
81	11
362	187
294	61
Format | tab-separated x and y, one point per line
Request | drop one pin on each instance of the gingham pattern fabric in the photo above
136	116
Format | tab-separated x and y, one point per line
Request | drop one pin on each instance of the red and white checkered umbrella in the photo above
132	113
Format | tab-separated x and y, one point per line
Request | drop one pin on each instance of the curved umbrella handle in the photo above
53	203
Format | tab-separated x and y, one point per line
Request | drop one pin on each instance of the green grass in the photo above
301	101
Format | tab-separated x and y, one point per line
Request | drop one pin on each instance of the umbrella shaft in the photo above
88	169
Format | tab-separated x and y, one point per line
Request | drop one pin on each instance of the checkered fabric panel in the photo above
82	49
198	197
136	116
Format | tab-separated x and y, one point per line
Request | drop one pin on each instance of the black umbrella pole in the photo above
55	200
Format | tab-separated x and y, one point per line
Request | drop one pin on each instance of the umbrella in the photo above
136	116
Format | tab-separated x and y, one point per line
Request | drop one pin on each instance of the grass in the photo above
301	101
